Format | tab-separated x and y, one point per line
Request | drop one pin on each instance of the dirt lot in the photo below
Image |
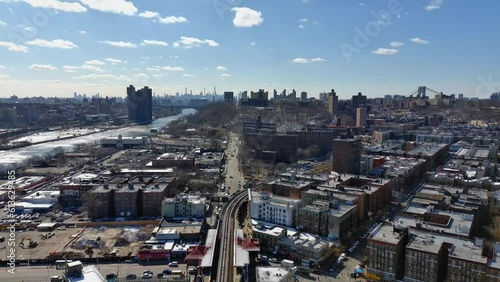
75	239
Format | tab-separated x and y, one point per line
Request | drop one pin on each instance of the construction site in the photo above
79	243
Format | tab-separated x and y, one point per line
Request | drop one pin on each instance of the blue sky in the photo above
378	47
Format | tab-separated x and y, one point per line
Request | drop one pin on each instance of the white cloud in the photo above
176	45
315	22
82	32
13	47
301	26
92	68
306	1
3	24
169	68
221	68
149	14
225	74
166	68
172	20
188	75
95	62
2	67
56	43
304	20
145	58
3	76
306	61
318	60
120	44
114	61
194	42
396	44
154	69
111	6
140	75
154	42
42	67
361	4
419	40
56	5
29	28
253	43
434	5
99	76
385	51
246	17
70	68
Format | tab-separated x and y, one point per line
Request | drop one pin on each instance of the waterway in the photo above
15	157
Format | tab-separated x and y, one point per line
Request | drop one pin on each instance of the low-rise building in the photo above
271	208
126	201
386	253
289	187
304	246
274	274
184	205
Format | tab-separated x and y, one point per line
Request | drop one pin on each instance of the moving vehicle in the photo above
178	272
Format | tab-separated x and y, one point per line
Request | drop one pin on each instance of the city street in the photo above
42	273
233	174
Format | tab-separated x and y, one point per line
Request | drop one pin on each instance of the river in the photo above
15	157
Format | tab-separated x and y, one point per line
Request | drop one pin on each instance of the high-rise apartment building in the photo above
140	104
358	100
346	156
333	103
361	117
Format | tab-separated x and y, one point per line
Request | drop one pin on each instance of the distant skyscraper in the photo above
229	96
361	117
140	104
303	96
333	103
275	94
294	94
358	100
346	156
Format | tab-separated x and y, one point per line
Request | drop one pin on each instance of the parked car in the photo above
173	264
131	277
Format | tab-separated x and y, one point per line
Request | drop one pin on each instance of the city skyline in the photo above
57	48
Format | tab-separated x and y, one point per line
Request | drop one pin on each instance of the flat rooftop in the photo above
89	274
271	273
460	223
385	233
296	184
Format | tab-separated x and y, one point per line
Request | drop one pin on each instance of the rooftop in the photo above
89	274
385	233
271	273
